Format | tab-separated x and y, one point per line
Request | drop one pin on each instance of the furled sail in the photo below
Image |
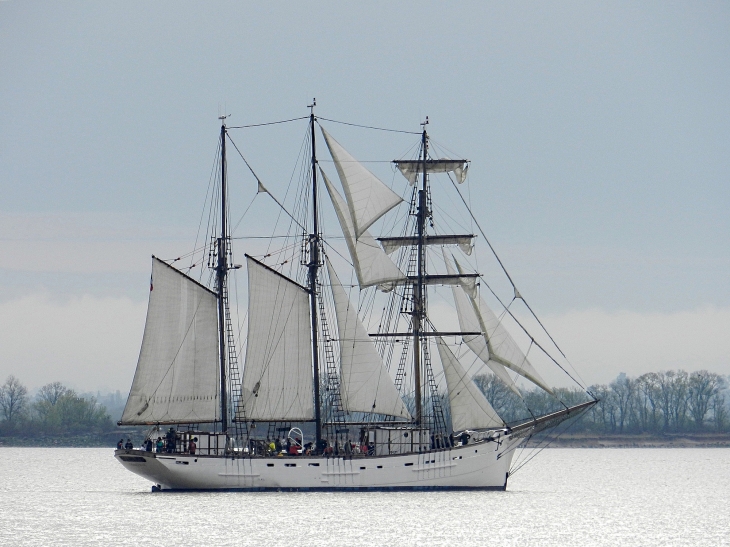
468	322
372	265
465	242
502	347
365	384
469	407
412	168
177	378
368	198
277	377
468	282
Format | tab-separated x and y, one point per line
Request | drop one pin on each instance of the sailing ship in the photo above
321	404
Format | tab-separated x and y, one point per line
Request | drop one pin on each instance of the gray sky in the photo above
599	136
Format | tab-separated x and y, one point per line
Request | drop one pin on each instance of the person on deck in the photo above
192	446
128	445
120	444
148	445
170	438
160	444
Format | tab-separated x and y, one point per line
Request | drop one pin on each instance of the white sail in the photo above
468	284
412	168
277	377
502	347
469	407
365	384
177	378
367	197
372	265
468	322
465	242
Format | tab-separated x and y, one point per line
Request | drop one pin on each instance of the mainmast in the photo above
418	297
313	269
221	273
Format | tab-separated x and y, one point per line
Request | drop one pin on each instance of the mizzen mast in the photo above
221	274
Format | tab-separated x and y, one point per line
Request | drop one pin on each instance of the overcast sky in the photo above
599	135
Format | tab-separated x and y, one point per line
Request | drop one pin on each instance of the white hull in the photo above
479	466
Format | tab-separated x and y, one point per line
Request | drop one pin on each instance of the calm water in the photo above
564	497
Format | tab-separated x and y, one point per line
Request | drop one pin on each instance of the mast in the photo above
313	269
221	273
418	308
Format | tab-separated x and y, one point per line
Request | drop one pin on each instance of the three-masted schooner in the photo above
320	408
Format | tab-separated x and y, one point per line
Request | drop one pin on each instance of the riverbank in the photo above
684	440
577	440
89	440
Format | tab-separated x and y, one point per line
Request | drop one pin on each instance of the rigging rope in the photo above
548	441
494	252
532	338
371	127
243	215
261	185
208	192
267	123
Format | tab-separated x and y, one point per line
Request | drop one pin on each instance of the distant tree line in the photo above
55	411
672	401
657	402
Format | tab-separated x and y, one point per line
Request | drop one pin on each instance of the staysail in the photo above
469	407
468	322
368	198
365	384
372	265
502	347
177	378
277	378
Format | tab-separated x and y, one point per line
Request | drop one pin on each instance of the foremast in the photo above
419	308
422	373
313	268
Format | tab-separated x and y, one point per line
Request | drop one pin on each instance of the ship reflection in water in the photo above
566	498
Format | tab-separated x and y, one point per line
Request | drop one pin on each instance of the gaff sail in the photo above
177	378
277	378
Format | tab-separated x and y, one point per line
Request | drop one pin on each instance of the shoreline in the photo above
577	440
688	440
